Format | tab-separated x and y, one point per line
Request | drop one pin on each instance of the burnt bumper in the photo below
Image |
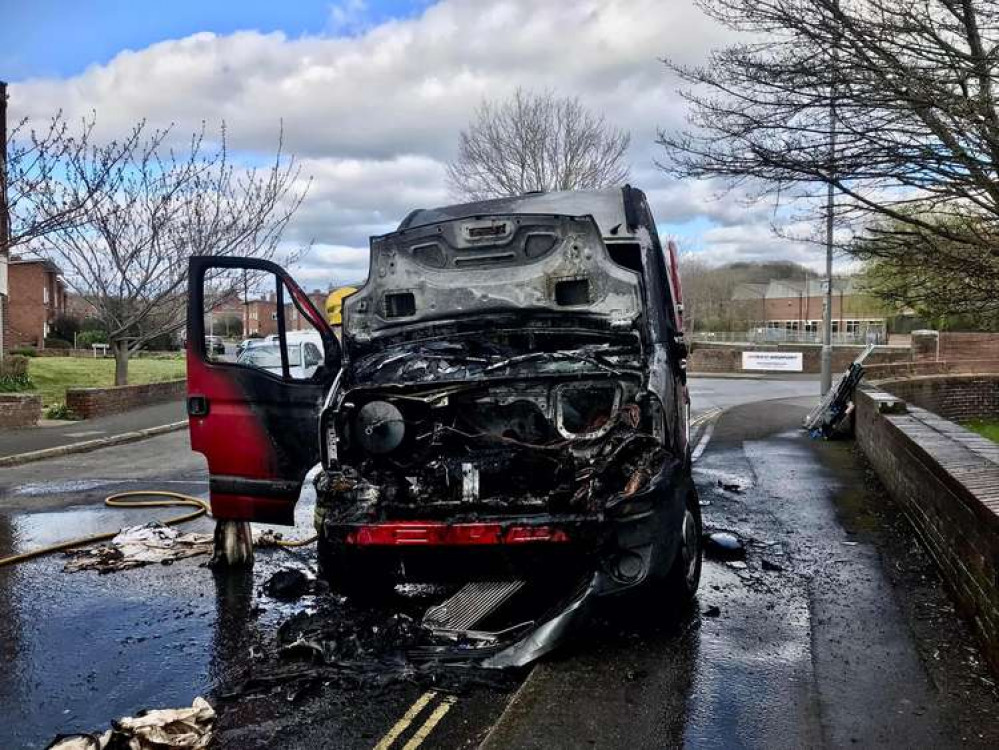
632	541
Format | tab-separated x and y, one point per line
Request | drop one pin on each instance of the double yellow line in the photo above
432	720
705	416
442	706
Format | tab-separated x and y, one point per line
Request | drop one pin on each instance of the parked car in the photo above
247	343
215	344
512	401
304	355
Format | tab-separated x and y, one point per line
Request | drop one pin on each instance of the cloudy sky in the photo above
373	93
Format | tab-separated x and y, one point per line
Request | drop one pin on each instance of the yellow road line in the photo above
407	718
705	416
432	721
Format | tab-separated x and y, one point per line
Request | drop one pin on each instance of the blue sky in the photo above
42	38
371	95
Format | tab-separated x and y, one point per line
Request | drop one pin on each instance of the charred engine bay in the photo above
556	425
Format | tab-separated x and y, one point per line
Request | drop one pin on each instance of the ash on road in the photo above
833	630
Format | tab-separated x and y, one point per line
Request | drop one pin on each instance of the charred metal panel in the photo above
485	266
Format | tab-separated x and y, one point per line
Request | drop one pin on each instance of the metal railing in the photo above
784	336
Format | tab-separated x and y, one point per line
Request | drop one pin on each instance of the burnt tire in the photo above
681	582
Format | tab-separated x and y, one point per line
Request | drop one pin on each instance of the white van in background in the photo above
305	354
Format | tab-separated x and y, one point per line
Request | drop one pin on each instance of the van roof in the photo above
606	206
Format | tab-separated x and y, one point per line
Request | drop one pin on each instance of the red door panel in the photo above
257	429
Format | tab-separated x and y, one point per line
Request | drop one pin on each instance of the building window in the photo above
45	294
273	316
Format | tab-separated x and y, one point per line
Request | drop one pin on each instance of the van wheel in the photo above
685	574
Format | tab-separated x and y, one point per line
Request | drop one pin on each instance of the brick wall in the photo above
956	397
925	346
19	410
26	306
98	402
896	370
946	480
707	358
960	346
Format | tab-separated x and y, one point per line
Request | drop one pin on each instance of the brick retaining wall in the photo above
956	397
141	354
958	346
895	370
98	402
946	480
19	410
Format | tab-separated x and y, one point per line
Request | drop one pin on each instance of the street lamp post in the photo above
826	359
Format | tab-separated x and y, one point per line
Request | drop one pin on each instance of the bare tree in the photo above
911	89
127	251
537	142
35	154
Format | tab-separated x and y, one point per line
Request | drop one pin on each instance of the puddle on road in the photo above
82	648
37	489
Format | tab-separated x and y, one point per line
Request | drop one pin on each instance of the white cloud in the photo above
347	17
374	112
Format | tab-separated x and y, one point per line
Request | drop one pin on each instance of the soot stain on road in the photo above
325	671
832	628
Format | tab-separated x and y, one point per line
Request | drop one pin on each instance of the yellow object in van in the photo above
334	304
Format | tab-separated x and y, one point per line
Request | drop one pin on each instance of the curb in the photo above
91	445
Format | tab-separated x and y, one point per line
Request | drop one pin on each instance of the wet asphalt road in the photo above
813	651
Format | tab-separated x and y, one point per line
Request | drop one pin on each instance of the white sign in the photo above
773	361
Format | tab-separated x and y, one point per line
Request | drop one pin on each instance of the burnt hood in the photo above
483	266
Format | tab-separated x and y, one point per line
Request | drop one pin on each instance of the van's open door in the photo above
254	414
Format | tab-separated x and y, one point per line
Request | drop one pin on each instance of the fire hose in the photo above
121	500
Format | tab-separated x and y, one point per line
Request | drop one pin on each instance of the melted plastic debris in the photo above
135	546
287	585
724	545
350	645
158	729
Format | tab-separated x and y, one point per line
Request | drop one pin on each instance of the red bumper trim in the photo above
443	534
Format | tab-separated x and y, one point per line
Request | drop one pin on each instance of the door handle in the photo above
197	406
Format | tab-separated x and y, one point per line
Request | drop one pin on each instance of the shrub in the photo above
64	327
14	374
165	342
56	343
88	338
59	411
24	351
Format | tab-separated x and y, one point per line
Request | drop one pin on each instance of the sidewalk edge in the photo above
90	445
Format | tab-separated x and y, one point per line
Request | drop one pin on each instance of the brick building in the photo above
36	296
259	316
295	320
779	308
78	307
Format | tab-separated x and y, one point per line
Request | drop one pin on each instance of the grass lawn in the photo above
53	375
987	428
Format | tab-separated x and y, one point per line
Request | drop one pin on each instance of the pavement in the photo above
835	633
61	433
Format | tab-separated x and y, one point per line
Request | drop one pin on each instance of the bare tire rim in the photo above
691	545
